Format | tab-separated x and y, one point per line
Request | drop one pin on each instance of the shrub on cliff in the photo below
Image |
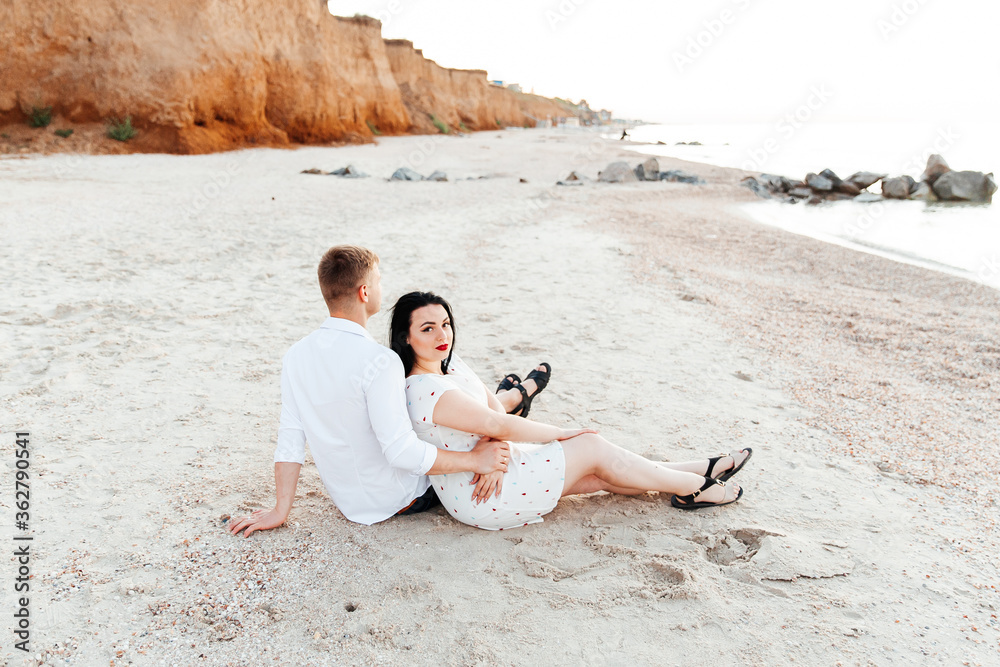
371	126
121	130
439	124
40	116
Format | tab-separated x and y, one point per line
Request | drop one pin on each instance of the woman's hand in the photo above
486	485
568	433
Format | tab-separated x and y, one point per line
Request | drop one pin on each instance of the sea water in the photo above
958	238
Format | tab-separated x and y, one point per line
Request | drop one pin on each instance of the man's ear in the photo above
363	293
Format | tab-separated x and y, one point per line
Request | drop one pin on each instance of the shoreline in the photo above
143	346
884	251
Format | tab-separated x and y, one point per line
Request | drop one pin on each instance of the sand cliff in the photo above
198	76
460	97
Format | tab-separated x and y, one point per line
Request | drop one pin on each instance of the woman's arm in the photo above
455	409
494	402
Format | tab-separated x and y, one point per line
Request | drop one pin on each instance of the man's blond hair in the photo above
343	269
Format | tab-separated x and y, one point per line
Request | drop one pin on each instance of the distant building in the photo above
514	87
571	121
496	82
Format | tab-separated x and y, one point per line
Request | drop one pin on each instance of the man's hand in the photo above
259	520
486	485
490	455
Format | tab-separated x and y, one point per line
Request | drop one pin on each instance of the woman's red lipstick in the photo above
442	347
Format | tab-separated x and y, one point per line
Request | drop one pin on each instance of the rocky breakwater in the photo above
938	183
621	172
440	99
197	76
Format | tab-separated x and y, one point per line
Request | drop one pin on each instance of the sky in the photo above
722	60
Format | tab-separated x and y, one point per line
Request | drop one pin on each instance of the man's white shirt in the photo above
345	394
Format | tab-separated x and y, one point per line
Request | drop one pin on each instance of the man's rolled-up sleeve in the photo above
386	398
291	447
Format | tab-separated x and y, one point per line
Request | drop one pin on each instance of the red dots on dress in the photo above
524	494
425	418
432	393
547	460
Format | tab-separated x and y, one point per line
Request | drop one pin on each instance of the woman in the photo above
452	409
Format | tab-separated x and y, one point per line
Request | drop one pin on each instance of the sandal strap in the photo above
541	378
522	408
709	483
508	382
711	464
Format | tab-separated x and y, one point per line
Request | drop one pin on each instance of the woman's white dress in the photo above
535	475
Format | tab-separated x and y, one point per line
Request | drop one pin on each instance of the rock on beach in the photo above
617	172
971	186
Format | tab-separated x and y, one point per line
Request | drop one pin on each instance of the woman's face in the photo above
430	334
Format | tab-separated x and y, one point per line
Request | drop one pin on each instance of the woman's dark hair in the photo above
399	328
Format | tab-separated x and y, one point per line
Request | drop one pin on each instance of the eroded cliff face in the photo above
460	97
206	75
200	75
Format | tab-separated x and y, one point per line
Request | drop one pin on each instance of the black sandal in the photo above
729	473
509	381
541	379
688	502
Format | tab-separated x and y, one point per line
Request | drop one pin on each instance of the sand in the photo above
148	300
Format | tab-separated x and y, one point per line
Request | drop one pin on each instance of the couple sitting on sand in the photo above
401	431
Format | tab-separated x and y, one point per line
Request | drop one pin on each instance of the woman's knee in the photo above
588	441
590	449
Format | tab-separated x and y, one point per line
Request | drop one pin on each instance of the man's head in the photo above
350	280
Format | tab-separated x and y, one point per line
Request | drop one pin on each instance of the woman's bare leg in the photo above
509	399
592	484
591	455
700	466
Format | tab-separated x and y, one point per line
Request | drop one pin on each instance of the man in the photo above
344	393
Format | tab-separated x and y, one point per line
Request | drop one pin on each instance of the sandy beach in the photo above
148	300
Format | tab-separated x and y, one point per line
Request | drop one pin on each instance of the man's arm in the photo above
289	454
487	456
286	479
386	398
